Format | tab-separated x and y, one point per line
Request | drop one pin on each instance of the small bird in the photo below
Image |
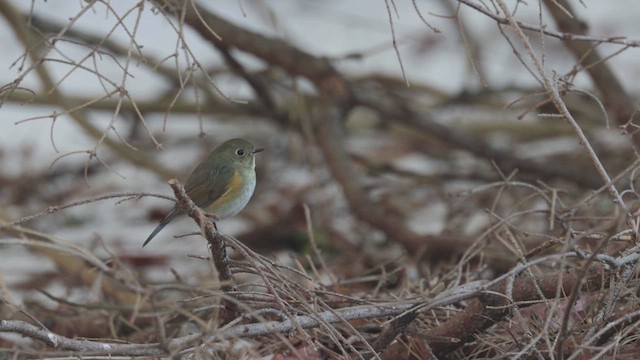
222	184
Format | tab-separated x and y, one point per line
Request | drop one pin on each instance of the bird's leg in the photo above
213	218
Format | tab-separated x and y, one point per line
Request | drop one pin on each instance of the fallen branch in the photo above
88	347
491	303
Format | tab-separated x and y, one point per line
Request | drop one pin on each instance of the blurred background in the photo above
418	135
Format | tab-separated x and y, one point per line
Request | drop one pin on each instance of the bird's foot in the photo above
212	216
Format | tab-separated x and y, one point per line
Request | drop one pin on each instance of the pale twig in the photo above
394	41
54	209
27	37
552	91
125	74
551	88
621	40
424	21
605	331
314	245
69	248
448	297
237	331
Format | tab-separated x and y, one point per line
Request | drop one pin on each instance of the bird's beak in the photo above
255	151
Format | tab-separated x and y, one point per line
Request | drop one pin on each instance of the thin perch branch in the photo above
209	231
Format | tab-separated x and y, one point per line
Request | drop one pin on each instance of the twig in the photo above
54	209
615	98
523	293
237	331
571	36
214	238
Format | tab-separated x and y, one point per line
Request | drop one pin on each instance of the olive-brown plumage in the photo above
222	184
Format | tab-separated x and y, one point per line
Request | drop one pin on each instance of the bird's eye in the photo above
240	152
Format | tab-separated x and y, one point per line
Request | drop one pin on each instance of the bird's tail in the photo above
167	219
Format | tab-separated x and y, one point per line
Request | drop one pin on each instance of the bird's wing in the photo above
204	187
